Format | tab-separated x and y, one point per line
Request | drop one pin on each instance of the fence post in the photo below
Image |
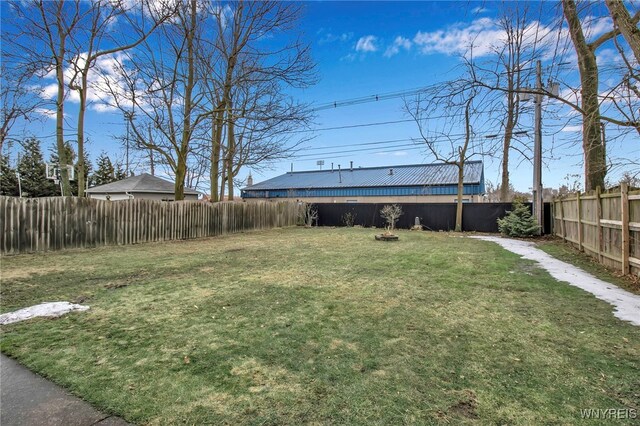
563	226
598	225
624	205
579	208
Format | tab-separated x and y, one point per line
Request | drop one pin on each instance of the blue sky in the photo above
373	48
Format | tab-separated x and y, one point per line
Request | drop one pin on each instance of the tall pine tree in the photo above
105	172
8	178
120	172
32	171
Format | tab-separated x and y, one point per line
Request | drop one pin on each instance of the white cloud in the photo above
332	38
571	129
49	91
103	75
46	112
482	34
611	58
367	44
393	153
570	94
596	26
399	43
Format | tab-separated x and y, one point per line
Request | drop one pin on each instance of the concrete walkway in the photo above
28	399
626	304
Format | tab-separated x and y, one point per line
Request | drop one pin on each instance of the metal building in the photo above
419	183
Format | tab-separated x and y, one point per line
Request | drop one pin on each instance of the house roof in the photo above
141	183
411	175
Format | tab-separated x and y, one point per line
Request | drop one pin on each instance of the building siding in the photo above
382	200
410	191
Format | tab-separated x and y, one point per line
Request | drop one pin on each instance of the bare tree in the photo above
594	150
157	90
456	98
95	40
245	83
514	56
18	99
45	29
591	99
265	131
616	102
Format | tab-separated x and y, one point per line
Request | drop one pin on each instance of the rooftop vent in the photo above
390	172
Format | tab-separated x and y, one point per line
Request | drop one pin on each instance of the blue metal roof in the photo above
411	175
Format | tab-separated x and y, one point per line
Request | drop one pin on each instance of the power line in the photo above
442	138
378	123
413	147
354	150
370	153
351	126
388	144
373	98
386	96
357	144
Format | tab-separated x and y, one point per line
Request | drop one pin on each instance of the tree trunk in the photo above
462	156
216	146
626	25
506	147
62	152
181	168
81	112
223	181
592	144
181	173
460	191
504	185
231	142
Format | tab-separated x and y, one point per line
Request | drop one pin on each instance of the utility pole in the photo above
153	170
129	117
537	152
126	167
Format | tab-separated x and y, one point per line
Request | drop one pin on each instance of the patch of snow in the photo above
626	304
50	309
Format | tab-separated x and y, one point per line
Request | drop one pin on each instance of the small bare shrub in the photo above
309	215
349	219
391	213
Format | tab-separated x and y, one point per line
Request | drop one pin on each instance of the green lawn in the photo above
322	326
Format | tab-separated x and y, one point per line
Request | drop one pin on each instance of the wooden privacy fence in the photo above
41	224
606	226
